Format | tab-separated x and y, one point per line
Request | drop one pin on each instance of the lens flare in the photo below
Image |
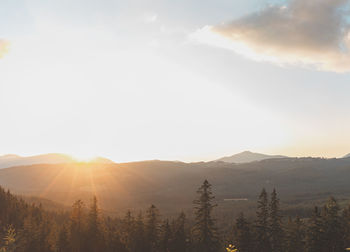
4	47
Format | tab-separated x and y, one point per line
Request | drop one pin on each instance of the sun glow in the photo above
127	105
4	47
94	94
83	158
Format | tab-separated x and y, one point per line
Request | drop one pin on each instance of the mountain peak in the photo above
247	152
247	157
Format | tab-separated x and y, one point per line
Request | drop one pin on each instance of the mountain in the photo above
172	185
15	160
347	156
52	158
247	157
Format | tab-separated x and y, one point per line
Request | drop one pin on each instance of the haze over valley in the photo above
122	186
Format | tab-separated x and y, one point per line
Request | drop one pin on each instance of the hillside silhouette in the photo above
168	184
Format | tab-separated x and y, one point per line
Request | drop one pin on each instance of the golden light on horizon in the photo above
83	158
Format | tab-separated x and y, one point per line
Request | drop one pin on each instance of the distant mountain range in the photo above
52	158
172	185
247	157
11	160
57	180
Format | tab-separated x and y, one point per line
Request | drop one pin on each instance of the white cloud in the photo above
310	33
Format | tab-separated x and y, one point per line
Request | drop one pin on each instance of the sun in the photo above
83	157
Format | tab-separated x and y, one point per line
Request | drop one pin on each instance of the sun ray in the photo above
46	190
72	185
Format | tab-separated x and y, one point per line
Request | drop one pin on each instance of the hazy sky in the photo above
182	80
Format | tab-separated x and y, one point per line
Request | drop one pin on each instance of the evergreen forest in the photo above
85	228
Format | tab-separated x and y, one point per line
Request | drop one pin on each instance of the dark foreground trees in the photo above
30	228
242	234
325	231
204	231
262	224
275	224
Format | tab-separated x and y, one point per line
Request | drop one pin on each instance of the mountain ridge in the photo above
247	157
135	185
11	160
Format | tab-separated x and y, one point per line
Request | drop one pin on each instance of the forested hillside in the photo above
302	182
30	228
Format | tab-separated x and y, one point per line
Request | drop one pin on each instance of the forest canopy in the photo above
84	228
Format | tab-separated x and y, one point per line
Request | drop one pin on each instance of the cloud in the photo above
310	33
4	47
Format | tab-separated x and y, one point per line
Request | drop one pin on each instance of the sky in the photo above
186	80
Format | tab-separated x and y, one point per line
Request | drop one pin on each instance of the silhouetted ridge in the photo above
247	156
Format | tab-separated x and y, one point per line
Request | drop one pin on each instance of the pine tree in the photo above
275	224
28	237
179	240
128	230
204	230
77	227
295	235
139	237
44	235
332	226
242	237
165	236
63	240
113	238
152	229
94	228
262	224
315	233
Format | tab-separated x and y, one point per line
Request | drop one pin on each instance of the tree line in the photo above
30	228
326	230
